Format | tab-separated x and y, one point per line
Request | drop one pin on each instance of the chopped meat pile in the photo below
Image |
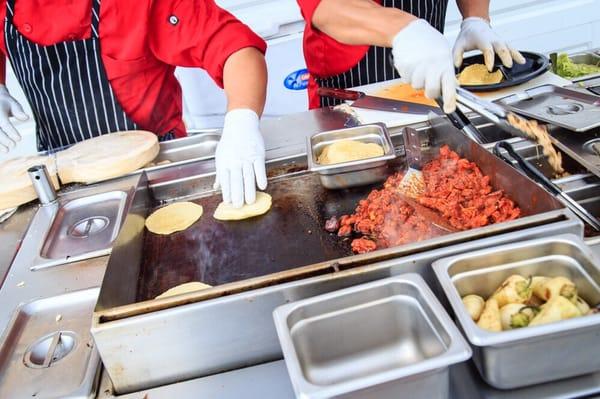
454	187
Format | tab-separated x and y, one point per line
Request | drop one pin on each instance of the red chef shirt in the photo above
141	43
324	55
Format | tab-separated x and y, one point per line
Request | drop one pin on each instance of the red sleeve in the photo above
197	33
324	55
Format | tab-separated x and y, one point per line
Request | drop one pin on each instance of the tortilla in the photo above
348	150
183	289
16	187
259	207
173	218
405	92
107	156
478	74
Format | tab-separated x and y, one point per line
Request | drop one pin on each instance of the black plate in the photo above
535	65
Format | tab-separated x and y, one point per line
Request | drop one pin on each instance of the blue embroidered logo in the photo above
297	80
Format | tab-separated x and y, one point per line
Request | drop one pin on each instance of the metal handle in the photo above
340	94
42	184
462	123
484	107
540	178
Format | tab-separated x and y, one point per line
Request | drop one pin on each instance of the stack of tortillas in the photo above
100	158
15	184
108	156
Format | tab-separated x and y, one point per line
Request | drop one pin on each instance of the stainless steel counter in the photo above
21	285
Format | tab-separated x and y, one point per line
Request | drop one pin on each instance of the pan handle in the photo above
526	167
340	94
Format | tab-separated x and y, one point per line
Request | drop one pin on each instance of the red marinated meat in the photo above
454	187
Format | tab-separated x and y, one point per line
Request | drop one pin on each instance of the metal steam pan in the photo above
553	351
352	173
386	339
567	108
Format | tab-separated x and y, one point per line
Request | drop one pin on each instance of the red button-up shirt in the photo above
324	55
141	43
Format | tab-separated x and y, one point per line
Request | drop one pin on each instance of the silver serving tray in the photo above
353	173
508	359
567	108
390	337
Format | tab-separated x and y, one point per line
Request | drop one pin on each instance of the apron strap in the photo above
95	18
10	11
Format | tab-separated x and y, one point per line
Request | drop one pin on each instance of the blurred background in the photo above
537	25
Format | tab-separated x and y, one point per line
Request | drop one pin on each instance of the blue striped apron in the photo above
66	85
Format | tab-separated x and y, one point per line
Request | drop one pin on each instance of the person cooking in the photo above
90	68
348	43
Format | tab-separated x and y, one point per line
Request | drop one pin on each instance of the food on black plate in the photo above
478	74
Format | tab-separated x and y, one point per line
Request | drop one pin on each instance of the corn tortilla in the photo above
478	74
348	150
229	212
173	218
184	289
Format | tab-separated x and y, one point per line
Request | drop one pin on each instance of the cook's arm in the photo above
2	69
240	155
245	80
360	22
422	55
477	34
474	8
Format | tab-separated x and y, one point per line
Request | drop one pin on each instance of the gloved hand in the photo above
240	158
9	107
477	34
423	58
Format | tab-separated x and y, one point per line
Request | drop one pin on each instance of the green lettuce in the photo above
568	69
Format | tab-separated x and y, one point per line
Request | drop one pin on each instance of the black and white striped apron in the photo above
66	85
375	66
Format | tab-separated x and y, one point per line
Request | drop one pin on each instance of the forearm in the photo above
360	22
474	8
2	69
245	80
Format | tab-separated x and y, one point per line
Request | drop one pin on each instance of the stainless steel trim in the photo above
42	184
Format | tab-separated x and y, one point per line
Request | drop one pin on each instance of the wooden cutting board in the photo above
15	184
107	156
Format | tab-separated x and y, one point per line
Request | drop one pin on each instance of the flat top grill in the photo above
214	252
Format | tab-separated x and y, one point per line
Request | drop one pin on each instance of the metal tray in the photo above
567	108
47	341
572	341
386	339
250	264
354	173
586	57
535	65
199	145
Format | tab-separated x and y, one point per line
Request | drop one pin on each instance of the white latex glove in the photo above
9	107
240	158
477	34
423	58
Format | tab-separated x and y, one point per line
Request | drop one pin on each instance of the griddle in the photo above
216	252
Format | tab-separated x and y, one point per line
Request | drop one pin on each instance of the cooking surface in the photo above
290	235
